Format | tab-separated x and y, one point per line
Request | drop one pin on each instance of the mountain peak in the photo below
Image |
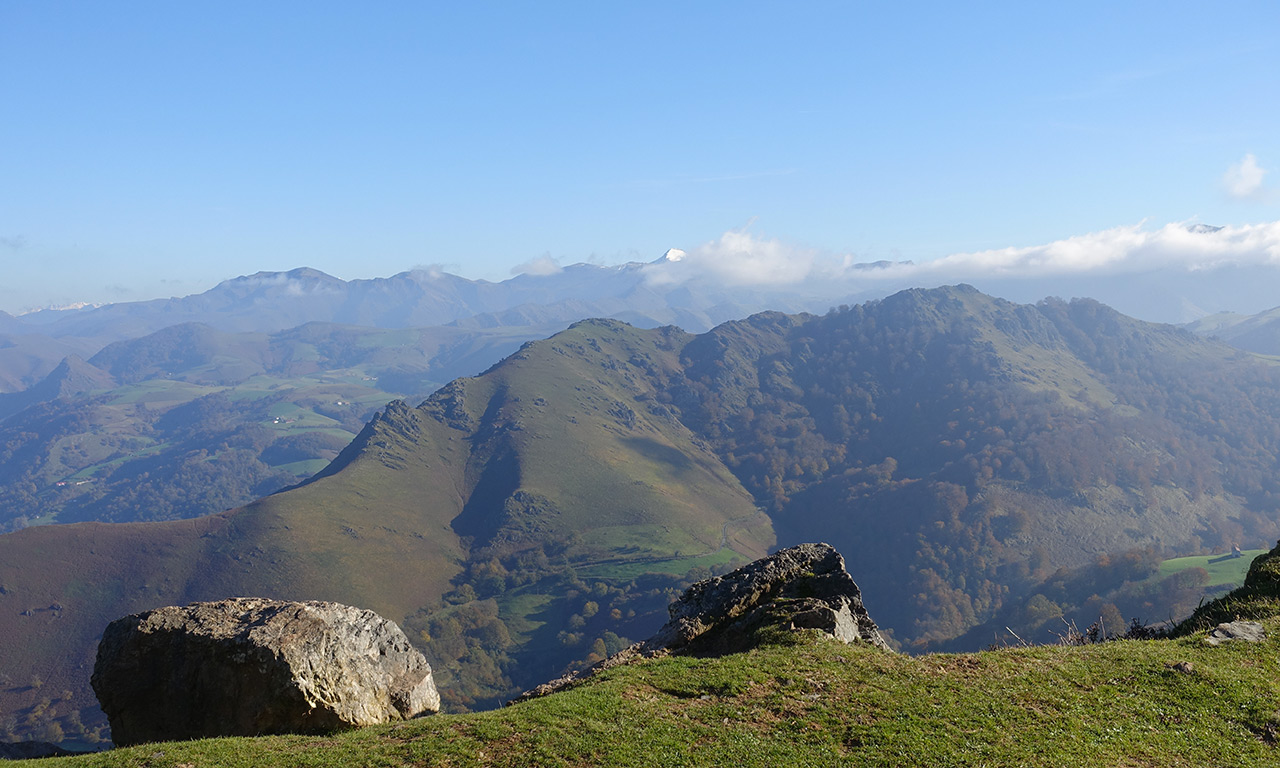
1202	229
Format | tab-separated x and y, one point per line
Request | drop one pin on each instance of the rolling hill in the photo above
966	454
190	420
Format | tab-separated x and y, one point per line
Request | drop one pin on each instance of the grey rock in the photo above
805	586
801	587
1244	631
250	666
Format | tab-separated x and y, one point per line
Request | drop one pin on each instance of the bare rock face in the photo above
250	666
805	586
801	587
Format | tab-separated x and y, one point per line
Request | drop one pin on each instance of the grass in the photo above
815	702
673	566
1224	572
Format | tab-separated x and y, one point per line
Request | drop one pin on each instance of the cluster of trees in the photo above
53	719
1113	593
519	618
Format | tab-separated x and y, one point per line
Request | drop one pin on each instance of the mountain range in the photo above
966	453
268	302
695	292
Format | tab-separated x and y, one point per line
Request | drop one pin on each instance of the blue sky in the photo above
154	149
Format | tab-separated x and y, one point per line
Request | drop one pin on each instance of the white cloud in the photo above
1244	179
539	267
738	258
1114	251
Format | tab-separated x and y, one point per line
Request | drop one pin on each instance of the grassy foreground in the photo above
815	702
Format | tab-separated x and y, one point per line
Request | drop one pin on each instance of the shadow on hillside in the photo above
656	451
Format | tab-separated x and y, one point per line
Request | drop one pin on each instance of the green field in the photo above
1229	572
679	566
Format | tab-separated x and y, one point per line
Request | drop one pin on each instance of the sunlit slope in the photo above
569	440
562	445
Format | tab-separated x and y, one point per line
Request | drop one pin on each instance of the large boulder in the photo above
801	587
250	666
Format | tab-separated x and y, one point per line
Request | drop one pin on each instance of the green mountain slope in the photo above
975	460
540	461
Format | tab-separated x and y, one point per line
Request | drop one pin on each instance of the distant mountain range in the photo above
273	301
666	291
33	344
964	452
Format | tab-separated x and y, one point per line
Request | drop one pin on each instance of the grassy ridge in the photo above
812	702
393	520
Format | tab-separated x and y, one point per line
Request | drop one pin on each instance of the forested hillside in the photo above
963	449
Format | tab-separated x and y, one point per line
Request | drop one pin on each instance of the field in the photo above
807	701
1222	573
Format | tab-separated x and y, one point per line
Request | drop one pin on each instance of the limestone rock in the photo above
801	587
250	666
805	586
1242	631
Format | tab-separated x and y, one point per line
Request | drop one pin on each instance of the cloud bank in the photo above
740	258
1124	250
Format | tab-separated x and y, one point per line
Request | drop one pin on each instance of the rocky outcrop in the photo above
801	587
1236	631
805	586
250	666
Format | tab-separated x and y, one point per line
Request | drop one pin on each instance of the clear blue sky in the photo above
156	148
